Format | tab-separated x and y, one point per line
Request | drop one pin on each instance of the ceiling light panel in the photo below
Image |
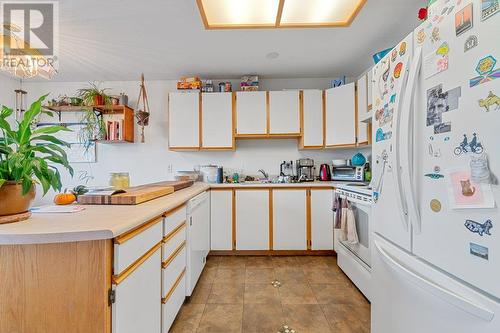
319	12
238	13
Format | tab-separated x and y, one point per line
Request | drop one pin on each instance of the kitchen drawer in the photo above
173	219
133	244
173	301
173	240
173	267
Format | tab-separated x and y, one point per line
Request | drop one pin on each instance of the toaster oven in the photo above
348	173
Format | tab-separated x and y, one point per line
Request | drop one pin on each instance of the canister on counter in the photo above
222	86
220	175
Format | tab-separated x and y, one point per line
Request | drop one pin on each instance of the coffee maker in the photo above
305	170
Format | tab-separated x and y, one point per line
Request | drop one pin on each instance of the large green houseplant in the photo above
28	155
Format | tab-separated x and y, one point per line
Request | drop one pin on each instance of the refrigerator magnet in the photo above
434	175
490	101
479	228
463	20
443	49
489	8
394	54
397	70
465	147
486	70
435	35
479	251
435	205
402	49
421	36
470	43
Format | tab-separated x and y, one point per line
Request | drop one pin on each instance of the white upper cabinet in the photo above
251	113
252	219
284	112
289	220
217	121
362	109
340	116
312	136
184	120
321	219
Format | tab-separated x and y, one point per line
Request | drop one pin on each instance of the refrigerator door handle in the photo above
407	149
433	288
396	171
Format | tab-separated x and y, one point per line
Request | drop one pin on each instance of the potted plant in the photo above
27	156
94	95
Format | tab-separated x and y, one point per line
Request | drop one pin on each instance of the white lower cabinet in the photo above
289	220
321	219
173	304
252	219
138	299
221	214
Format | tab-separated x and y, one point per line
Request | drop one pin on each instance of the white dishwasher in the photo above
198	238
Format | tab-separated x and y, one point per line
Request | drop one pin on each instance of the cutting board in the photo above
135	195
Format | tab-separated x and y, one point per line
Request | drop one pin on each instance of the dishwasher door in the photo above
198	238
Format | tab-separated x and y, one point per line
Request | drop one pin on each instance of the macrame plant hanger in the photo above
142	115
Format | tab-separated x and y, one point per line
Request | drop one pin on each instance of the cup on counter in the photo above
119	180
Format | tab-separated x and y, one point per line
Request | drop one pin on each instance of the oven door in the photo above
362	213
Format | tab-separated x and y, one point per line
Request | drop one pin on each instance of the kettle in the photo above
324	173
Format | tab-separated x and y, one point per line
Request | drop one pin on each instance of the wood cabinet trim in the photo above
272	253
308	219
174	254
271	217
233	219
173	210
165	299
137	230
174	232
117	279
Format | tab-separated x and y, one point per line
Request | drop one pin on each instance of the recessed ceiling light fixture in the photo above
253	14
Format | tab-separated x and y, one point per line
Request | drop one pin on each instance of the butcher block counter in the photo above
95	222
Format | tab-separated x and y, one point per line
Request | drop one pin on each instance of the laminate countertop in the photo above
108	221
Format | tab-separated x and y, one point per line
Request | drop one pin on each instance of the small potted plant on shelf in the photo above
28	155
94	95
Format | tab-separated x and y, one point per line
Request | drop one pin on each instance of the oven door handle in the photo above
356	201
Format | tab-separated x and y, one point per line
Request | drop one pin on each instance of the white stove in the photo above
355	259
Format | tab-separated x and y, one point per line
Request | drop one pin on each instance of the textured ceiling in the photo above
119	39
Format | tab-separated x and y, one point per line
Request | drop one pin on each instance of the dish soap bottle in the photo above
367	172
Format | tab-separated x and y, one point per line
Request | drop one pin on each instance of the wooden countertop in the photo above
106	222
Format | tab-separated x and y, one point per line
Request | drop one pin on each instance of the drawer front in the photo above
173	241
173	219
173	268
172	305
132	249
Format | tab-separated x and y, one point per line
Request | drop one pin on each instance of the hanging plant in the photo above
142	114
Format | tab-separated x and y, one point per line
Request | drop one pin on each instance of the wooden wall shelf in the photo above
127	112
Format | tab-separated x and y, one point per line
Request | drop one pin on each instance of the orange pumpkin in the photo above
64	198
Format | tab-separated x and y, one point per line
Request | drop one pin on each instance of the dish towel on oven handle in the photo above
343	220
337	209
352	233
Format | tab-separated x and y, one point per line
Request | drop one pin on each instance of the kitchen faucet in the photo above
265	174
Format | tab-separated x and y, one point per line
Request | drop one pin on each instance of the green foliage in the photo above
28	154
88	94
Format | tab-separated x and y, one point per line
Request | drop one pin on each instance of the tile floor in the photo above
235	294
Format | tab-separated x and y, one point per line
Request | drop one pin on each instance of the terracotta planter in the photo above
12	200
98	100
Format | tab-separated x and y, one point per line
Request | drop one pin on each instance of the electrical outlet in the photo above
170	168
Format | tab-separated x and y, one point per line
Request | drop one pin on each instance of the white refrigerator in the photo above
436	221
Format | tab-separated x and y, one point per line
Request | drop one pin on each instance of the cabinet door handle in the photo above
190	220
